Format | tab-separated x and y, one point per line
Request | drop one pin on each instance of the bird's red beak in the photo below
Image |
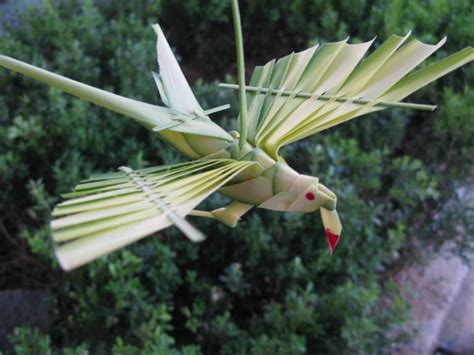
333	239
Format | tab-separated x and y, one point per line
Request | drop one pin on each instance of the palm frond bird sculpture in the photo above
288	100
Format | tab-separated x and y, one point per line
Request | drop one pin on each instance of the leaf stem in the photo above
306	95
240	73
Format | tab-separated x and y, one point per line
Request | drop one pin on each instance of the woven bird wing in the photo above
337	70
110	211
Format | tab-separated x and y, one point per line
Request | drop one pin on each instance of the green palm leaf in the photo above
110	211
307	92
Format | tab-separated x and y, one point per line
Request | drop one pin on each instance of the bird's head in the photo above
311	195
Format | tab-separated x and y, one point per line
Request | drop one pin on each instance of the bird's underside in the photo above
288	100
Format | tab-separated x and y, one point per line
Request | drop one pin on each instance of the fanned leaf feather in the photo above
119	212
336	69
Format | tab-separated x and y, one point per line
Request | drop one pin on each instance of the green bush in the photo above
268	286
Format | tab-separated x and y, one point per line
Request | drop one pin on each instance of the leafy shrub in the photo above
268	286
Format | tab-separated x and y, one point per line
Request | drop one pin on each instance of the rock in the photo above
460	345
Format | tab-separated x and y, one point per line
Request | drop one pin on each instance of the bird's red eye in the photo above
310	196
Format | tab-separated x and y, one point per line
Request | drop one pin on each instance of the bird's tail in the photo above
151	116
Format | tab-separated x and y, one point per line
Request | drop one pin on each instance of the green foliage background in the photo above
268	286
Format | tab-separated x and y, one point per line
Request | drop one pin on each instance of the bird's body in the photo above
276	186
272	185
288	99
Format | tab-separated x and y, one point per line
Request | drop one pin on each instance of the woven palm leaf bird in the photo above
286	101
